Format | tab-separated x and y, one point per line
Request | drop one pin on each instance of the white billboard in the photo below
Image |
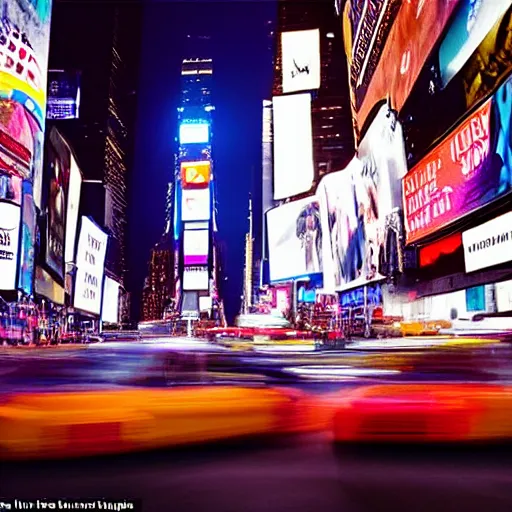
294	240
195	205
75	187
197	133
196	279
489	244
110	307
300	60
293	145
90	261
195	246
10	218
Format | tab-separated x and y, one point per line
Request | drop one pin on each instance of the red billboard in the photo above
452	180
417	27
195	174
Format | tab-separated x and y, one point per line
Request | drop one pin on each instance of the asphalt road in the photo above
307	475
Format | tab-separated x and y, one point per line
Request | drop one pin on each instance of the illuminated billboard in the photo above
194	133
468	169
490	63
415	31
10	188
359	209
110	307
196	279
294	239
75	187
58	167
300	60
472	23
195	205
195	246
25	30
90	261
10	217
293	145
28	233
63	95
195	174
46	286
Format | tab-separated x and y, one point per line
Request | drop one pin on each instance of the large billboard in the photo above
196	279
90	260
360	210
195	246
110	307
10	188
295	239
293	145
472	23
195	205
75	187
467	170
58	168
195	174
24	41
300	60
10	216
366	29
63	95
28	233
490	63
46	286
194	133
416	30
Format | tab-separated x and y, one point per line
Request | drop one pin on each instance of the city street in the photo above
305	475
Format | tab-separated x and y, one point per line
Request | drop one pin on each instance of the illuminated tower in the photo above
194	195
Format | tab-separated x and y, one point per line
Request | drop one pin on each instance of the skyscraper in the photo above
333	143
102	136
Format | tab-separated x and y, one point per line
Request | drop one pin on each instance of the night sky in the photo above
242	79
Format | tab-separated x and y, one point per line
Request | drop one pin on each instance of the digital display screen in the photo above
195	174
294	239
293	145
110	307
10	218
195	205
92	248
196	133
300	60
196	279
195	246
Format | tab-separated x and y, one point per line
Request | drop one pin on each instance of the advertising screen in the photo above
366	29
28	233
300	60
24	63
63	95
195	246
473	21
195	174
194	133
92	247
489	244
75	187
360	210
293	145
294	239
10	188
490	63
195	205
58	167
467	170
20	141
46	286
416	30
196	279
110	307
10	216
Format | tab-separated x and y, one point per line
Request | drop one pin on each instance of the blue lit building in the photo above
191	197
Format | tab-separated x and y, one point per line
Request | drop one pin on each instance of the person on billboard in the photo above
309	232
